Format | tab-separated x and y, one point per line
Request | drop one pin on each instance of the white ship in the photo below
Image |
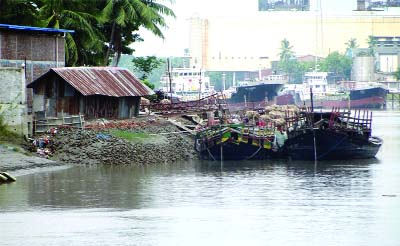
187	83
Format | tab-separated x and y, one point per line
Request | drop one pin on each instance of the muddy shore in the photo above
164	143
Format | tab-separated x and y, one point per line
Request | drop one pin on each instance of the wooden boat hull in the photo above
240	151
331	145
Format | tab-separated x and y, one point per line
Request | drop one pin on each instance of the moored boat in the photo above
352	94
236	142
299	135
253	95
332	135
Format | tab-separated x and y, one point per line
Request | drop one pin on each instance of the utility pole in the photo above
223	80
169	67
200	86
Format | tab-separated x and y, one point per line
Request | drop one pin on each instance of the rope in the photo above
209	153
255	153
333	147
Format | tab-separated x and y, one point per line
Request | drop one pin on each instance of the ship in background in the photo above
187	84
255	94
343	94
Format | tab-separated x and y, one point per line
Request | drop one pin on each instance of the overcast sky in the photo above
177	36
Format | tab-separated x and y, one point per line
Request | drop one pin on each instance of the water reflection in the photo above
200	203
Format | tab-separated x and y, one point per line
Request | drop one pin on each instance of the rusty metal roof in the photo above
107	81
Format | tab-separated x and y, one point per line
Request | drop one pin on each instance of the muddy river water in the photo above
199	203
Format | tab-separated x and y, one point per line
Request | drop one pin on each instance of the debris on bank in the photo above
97	145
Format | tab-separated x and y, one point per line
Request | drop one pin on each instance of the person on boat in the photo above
280	137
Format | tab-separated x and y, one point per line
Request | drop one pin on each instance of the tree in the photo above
352	43
286	51
338	64
124	17
18	12
145	65
371	45
71	14
287	63
397	74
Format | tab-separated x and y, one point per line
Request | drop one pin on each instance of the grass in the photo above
131	136
7	135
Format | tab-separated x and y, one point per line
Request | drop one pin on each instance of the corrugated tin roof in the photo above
107	81
35	29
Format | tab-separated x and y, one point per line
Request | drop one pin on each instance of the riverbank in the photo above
13	158
150	141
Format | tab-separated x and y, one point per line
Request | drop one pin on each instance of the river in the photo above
199	203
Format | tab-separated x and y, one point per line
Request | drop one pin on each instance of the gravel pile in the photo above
99	147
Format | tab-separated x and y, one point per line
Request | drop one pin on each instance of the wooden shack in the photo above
95	92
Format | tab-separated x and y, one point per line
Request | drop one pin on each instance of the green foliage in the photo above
150	85
397	74
352	43
287	63
96	23
216	79
130	136
17	12
5	133
124	17
371	45
338	64
146	65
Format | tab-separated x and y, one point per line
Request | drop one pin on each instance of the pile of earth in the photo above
83	146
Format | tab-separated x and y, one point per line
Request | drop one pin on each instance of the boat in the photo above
347	94
256	94
256	135
299	135
331	136
368	95
235	142
189	84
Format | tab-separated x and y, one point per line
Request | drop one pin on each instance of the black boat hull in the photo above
241	151
256	93
330	145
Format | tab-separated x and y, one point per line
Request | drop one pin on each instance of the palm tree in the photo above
352	43
70	14
286	51
287	62
123	17
18	12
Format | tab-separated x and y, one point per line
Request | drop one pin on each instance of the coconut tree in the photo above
287	62
352	43
124	17
74	15
18	12
286	51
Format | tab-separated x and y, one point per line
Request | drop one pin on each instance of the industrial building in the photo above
251	43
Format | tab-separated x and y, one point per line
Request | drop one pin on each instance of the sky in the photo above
177	35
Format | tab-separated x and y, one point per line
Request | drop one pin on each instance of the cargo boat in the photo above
331	136
304	135
253	95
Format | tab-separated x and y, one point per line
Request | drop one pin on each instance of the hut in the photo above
94	92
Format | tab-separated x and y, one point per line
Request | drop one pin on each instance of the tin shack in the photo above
94	92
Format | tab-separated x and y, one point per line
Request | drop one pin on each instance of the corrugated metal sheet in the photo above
107	81
35	29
